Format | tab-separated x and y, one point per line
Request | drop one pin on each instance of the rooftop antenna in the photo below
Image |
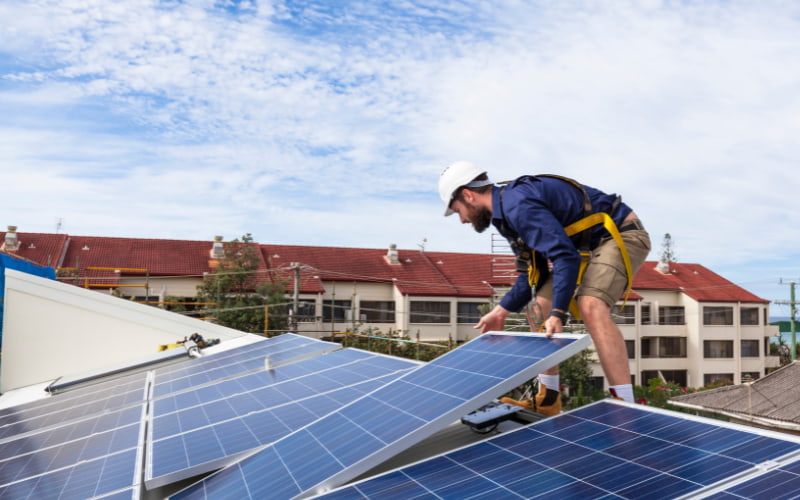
422	245
59	224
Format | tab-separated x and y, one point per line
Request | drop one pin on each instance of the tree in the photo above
575	374
668	249
240	293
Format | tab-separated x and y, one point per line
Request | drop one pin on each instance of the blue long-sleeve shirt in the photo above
537	209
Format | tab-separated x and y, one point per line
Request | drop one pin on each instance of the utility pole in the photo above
296	295
793	307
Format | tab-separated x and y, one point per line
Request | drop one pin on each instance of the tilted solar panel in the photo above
96	465
74	406
349	441
607	449
202	430
282	349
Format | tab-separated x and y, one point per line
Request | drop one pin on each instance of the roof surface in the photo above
415	272
775	396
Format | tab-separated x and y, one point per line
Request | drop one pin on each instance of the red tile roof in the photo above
415	273
42	248
696	281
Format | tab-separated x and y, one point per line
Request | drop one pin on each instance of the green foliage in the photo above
658	392
574	375
240	293
668	249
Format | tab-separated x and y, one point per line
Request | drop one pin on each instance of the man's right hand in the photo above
494	320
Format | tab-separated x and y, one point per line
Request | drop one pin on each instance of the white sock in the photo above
624	392
550	381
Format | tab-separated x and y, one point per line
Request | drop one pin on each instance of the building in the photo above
682	323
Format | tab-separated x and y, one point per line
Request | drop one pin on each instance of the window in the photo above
750	376
663	347
335	310
750	348
710	378
649	345
630	346
679	377
306	310
671	315
377	311
468	312
430	312
626	316
649	375
718	348
672	347
718	315
646	319
748	316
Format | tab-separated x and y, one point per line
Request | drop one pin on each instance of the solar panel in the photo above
73	406
71	463
607	449
364	433
204	429
286	348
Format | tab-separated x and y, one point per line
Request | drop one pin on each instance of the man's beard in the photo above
481	218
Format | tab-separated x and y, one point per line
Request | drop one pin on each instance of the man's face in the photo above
470	213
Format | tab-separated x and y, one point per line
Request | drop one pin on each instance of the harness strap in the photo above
611	227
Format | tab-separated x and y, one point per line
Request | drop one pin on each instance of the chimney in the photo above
217	249
392	255
662	267
11	243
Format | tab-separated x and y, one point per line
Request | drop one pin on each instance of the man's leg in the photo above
609	343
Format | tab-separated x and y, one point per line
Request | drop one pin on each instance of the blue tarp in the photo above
9	262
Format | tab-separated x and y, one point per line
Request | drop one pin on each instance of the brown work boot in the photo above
547	402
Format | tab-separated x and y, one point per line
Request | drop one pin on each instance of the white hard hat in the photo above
457	175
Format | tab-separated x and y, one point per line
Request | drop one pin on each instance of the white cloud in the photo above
332	121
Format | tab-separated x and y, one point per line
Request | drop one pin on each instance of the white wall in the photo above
52	329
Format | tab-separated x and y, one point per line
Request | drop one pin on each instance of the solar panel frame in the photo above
303	464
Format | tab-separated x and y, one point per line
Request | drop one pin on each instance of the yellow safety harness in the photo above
590	220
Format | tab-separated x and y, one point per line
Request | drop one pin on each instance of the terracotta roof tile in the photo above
42	248
415	273
694	280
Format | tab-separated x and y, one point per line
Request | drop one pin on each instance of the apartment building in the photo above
682	323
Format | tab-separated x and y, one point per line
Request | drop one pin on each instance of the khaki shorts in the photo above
605	276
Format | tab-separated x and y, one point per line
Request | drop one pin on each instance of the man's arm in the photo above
494	320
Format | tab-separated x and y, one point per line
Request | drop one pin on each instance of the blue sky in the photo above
328	123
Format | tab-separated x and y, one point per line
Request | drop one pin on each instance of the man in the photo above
535	214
